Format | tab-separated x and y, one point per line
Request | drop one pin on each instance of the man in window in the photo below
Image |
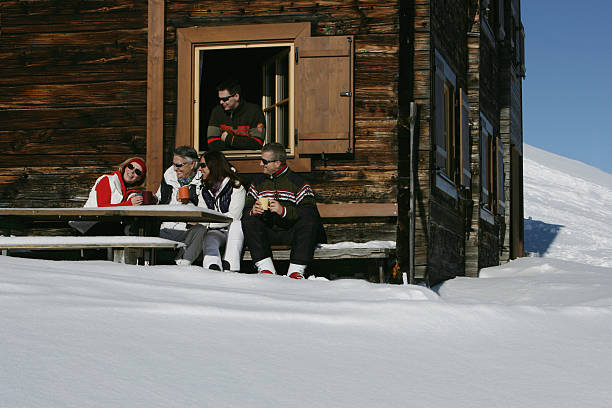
235	123
280	209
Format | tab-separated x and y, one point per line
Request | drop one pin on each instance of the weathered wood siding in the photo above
449	27
370	174
415	85
72	96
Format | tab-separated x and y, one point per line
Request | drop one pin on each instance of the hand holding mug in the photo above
276	207
257	208
136	199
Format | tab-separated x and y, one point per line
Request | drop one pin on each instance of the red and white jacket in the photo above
109	191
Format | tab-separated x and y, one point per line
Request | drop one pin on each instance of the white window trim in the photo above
445	70
486	124
487	215
446	185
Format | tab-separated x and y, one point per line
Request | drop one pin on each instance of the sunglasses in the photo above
137	171
203	165
264	161
179	165
226	98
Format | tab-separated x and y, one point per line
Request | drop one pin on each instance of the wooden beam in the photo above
357	210
155	94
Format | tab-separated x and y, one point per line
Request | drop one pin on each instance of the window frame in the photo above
190	38
196	93
455	128
492	199
485	10
272	106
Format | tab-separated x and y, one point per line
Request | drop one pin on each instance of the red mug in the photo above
147	197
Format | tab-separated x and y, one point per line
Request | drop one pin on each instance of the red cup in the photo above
147	197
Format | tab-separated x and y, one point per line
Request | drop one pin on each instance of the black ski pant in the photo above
302	238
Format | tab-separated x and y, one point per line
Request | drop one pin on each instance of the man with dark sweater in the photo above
235	123
280	209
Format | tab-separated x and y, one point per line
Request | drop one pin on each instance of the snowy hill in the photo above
568	206
532	333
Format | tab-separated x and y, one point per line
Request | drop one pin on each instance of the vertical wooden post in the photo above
155	94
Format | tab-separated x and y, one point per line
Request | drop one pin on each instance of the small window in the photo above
491	169
264	80
450	125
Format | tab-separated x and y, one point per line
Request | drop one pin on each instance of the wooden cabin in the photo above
367	96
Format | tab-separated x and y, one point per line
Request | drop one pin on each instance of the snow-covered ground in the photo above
532	333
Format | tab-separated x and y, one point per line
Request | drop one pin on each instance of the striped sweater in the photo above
289	189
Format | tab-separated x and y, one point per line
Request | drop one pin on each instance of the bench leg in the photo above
148	256
381	271
119	255
130	256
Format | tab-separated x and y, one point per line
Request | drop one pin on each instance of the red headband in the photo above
141	163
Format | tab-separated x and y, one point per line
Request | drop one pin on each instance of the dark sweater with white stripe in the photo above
290	190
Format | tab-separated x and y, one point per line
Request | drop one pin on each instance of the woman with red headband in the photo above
120	188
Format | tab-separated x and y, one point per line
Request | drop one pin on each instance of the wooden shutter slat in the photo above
322	53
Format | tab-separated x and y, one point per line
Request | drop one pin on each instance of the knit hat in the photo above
141	163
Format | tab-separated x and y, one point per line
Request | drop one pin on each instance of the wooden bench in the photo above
380	254
119	245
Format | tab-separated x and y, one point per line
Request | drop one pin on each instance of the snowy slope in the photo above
568	206
532	333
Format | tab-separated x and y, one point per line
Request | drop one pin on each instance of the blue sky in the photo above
567	95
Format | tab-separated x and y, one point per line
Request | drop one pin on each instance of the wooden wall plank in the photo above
155	94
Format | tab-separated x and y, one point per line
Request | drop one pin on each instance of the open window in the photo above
264	75
303	85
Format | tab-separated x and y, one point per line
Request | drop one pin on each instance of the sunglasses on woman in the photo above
137	171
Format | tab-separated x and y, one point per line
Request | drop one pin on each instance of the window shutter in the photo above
500	18
439	119
484	167
500	177
522	55
324	94
466	176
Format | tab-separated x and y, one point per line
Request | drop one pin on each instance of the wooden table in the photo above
146	220
146	217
